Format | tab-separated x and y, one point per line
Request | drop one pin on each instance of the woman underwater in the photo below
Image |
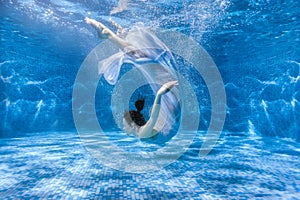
138	48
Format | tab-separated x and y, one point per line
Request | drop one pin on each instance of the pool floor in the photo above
56	165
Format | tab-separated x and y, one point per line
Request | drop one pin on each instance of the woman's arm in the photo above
147	130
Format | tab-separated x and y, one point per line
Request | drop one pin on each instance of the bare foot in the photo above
103	31
88	20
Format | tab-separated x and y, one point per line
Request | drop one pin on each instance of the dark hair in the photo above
136	116
139	104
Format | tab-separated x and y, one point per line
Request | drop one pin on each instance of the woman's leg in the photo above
120	30
104	32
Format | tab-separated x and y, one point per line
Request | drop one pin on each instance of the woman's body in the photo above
138	48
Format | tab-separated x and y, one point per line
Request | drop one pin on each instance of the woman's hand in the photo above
167	87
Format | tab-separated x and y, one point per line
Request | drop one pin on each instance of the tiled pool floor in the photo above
57	166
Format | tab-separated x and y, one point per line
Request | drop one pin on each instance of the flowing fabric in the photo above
146	48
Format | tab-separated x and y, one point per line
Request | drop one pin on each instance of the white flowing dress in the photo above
146	48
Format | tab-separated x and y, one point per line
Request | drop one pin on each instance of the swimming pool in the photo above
255	46
55	165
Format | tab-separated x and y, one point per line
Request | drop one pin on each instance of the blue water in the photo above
255	45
